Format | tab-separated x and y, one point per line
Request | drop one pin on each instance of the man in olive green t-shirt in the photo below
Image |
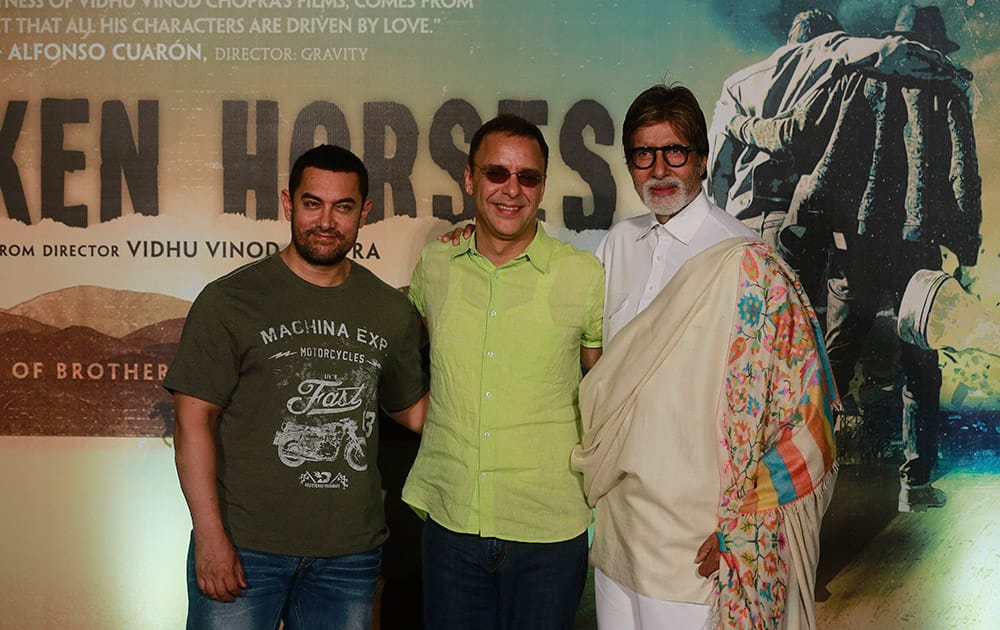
512	313
281	369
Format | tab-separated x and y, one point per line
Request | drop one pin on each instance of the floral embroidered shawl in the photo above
776	430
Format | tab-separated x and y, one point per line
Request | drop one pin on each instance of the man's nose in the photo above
325	218
660	166
512	187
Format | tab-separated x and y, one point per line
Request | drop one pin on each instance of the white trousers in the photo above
621	608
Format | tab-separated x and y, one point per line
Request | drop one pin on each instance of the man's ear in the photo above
366	207
468	180
286	203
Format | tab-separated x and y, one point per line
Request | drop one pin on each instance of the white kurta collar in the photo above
683	225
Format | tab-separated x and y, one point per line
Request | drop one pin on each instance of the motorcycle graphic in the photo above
299	443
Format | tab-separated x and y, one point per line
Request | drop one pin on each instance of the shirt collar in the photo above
538	252
683	225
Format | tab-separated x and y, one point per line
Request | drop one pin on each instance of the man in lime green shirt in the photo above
512	314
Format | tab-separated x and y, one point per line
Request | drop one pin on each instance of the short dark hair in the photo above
511	125
811	24
329	157
674	104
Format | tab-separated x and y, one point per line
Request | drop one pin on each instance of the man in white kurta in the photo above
661	507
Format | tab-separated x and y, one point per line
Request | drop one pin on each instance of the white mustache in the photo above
663	181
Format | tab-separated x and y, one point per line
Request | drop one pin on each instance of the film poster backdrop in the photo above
143	145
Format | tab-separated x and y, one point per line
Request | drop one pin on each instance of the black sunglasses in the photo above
500	175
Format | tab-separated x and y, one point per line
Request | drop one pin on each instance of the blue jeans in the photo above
476	583
336	593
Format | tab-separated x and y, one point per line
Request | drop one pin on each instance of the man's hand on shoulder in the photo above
459	234
909	58
218	568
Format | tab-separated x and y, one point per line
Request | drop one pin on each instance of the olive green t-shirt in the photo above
300	371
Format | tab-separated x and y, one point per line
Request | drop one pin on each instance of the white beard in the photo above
670	206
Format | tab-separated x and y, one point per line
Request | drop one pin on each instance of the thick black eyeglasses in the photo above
500	175
675	155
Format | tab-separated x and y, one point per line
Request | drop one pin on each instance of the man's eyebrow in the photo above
306	195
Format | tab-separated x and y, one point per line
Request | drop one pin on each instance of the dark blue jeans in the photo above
304	592
476	583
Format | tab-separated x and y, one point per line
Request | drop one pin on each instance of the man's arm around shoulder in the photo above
413	416
217	566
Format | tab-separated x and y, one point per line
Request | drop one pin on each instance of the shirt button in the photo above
490	354
489	394
659	258
486	434
493	313
483	475
649	289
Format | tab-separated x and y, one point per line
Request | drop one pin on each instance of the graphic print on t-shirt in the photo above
326	418
329	411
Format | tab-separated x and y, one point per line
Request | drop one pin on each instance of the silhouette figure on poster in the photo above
885	172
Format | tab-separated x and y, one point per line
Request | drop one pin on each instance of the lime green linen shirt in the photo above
505	372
